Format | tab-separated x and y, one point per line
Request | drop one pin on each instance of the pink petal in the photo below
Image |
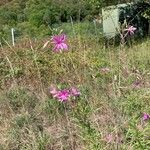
55	39
109	138
63	37
64	46
63	95
56	48
146	116
74	91
54	91
105	70
131	30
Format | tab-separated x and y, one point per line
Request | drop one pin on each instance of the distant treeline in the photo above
34	16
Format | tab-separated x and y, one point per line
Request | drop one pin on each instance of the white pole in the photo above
13	37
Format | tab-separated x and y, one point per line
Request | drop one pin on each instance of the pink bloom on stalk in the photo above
105	70
109	138
53	91
137	84
131	30
74	91
59	42
63	95
146	116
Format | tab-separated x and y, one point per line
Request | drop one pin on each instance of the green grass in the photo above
30	119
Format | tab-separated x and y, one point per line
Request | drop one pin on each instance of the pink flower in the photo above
146	116
137	84
131	30
59	42
109	138
53	91
63	95
74	91
105	70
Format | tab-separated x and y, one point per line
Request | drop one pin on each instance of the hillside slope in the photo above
115	93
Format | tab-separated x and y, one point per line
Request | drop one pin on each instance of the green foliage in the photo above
146	14
35	17
20	98
31	15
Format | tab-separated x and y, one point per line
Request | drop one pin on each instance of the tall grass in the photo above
107	115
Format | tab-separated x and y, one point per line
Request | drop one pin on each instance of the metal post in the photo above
148	27
13	37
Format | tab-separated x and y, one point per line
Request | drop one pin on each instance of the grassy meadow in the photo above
108	115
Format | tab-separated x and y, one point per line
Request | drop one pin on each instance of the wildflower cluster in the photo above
59	42
64	95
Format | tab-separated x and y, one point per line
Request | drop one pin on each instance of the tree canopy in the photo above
34	14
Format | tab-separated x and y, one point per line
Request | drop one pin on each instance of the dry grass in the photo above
110	103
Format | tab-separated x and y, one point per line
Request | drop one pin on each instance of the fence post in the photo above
13	36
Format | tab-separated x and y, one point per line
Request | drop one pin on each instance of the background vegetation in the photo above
108	115
35	17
